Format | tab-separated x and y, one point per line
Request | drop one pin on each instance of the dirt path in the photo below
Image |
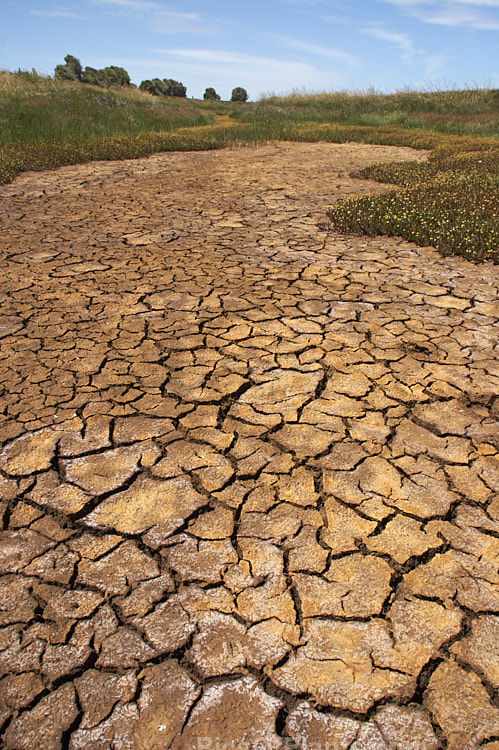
248	467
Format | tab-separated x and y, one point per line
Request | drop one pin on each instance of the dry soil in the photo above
249	467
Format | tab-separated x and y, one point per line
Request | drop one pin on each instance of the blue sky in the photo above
263	45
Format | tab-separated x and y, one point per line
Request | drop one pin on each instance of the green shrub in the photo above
71	71
239	94
165	87
210	93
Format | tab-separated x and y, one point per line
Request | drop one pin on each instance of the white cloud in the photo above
169	22
58	13
338	55
474	14
127	6
401	40
158	20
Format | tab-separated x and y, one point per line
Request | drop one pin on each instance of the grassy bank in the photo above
449	202
464	112
43	110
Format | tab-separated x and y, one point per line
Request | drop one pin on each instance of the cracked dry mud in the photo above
249	473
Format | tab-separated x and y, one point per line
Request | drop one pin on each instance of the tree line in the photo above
114	76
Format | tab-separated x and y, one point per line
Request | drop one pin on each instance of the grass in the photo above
35	109
458	112
450	201
47	123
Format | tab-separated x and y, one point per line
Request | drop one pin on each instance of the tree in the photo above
105	77
113	76
155	87
210	93
71	71
174	88
165	87
239	94
91	75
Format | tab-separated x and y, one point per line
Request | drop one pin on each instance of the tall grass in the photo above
450	201
34	109
460	112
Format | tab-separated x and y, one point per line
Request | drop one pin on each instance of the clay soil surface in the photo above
248	467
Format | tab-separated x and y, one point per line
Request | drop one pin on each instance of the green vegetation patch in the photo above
456	112
34	109
450	202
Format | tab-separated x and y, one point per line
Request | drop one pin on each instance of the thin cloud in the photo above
220	57
399	39
127	6
58	13
338	55
474	14
170	22
157	19
257	73
415	3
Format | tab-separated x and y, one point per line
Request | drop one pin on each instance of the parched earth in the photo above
249	471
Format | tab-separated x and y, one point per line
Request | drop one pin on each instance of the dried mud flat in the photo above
249	473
